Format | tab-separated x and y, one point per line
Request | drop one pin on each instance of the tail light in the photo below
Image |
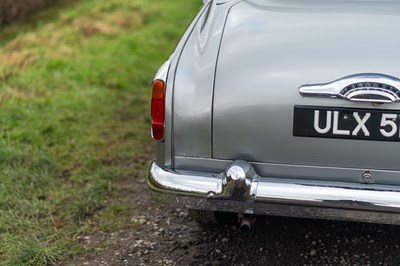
158	110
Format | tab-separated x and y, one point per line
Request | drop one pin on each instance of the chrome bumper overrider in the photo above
240	189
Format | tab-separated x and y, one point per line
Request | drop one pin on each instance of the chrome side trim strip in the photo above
262	195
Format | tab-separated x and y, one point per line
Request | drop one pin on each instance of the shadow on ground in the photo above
166	236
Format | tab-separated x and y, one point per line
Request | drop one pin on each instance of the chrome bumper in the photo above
240	189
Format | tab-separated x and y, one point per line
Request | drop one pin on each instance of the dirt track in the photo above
167	236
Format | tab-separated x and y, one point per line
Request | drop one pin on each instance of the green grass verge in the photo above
74	94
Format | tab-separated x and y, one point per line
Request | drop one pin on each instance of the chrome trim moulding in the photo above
365	87
239	189
162	72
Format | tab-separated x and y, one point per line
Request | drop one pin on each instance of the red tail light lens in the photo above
158	110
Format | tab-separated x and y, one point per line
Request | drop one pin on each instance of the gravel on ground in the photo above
168	236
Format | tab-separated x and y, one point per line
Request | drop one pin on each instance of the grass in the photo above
74	94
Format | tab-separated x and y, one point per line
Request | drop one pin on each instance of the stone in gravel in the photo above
313	252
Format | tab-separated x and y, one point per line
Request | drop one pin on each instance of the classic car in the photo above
284	108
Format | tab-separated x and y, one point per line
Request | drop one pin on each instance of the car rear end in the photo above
284	108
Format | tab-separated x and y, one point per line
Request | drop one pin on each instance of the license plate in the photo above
346	123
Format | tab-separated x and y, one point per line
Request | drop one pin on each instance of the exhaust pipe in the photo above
246	223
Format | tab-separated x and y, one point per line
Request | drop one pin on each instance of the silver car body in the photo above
232	85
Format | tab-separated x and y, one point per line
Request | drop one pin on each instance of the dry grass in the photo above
54	42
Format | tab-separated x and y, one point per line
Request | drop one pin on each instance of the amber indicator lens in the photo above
158	89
